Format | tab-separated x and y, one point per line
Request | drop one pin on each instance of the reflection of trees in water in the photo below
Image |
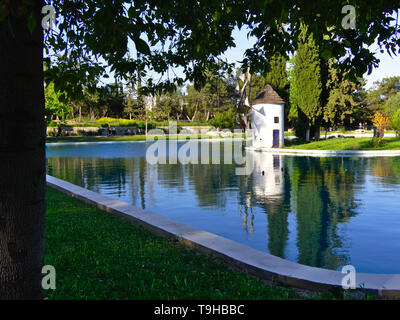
320	191
97	173
246	212
387	170
278	231
91	173
211	183
323	189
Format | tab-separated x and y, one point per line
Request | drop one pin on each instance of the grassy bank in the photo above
346	144
100	256
131	138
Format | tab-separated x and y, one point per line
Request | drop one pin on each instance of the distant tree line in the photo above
317	93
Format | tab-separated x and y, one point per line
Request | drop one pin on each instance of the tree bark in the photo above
308	135
195	112
22	156
317	132
207	116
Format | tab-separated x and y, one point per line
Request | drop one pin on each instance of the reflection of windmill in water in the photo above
269	185
268	180
246	212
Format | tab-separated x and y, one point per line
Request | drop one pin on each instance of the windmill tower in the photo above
268	119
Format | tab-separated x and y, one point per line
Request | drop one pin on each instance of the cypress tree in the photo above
277	76
307	71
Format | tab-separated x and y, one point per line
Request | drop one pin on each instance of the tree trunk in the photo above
317	132
195	113
22	154
207	116
92	117
308	135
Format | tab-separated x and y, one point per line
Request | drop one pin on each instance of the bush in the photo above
376	142
224	119
52	123
103	122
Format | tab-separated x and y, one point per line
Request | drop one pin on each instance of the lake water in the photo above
322	212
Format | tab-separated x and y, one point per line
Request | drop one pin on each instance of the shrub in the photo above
103	122
375	142
224	119
52	123
381	121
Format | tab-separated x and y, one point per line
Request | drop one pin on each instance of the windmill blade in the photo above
248	74
238	86
247	102
244	88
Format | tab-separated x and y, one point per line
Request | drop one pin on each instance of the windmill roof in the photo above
268	96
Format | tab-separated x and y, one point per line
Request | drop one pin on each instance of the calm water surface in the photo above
322	212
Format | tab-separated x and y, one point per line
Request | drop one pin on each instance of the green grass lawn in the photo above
101	256
346	144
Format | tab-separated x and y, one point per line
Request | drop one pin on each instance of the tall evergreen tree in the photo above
308	81
277	77
341	105
293	109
